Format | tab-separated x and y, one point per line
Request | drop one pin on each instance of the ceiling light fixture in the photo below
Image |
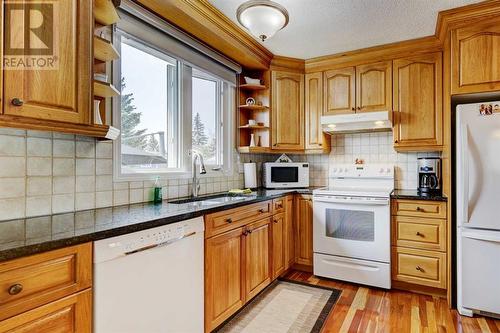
263	18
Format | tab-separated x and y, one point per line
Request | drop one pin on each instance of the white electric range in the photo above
352	225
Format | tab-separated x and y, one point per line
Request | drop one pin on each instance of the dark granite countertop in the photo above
28	236
415	195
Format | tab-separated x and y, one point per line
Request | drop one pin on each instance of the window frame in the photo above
225	103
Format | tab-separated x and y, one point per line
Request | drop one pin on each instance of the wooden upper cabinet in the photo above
316	139
374	87
339	91
418	96
476	58
287	95
257	257
61	94
223	267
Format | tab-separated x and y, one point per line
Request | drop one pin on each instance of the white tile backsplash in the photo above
51	173
377	148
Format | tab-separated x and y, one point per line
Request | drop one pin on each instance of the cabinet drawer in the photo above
426	268
70	314
419	233
39	279
219	222
419	208
279	205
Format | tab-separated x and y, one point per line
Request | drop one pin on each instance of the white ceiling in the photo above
323	27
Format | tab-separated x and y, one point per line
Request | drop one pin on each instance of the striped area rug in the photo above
285	306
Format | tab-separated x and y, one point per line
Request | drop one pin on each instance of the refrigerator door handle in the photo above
465	167
481	236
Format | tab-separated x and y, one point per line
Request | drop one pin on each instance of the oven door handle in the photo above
350	201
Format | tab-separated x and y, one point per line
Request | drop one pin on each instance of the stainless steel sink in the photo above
210	200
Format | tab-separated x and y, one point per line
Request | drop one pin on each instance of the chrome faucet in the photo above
196	181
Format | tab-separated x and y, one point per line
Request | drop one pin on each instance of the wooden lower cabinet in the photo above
304	230
279	244
289	232
223	267
69	314
419	246
47	292
257	257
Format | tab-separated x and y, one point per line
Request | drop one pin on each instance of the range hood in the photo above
379	121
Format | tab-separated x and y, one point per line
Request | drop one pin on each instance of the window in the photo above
149	109
207	138
169	106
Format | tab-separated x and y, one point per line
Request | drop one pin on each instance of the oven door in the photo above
352	227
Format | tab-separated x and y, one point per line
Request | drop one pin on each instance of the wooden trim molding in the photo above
203	21
287	64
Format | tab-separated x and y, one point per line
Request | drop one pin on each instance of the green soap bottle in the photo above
158	191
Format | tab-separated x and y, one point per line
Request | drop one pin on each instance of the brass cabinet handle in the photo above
419	234
17	102
275	221
262	211
15	289
420	209
353	109
229	220
320	144
396	141
420	269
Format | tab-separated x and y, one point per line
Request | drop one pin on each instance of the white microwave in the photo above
285	175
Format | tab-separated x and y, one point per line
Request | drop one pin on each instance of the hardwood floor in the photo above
363	309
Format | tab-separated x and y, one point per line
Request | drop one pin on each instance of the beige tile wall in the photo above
45	173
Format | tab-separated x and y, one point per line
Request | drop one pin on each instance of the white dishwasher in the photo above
150	281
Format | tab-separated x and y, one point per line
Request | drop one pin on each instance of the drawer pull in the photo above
262	211
15	289
420	234
420	269
279	206
17	102
229	220
420	209
275	221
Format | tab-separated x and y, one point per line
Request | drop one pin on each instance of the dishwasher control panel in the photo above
127	244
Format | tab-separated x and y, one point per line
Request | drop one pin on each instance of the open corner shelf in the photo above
254	107
253	127
105	89
105	12
104	50
253	150
252	87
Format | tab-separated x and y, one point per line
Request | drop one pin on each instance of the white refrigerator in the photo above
478	208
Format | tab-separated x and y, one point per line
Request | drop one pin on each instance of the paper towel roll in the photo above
250	170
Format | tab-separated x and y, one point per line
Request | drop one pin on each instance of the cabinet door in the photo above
278	231
63	93
287	111
69	314
316	139
476	58
257	257
289	232
304	231
418	109
374	87
339	88
223	267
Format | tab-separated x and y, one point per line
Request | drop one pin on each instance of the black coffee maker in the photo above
429	175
